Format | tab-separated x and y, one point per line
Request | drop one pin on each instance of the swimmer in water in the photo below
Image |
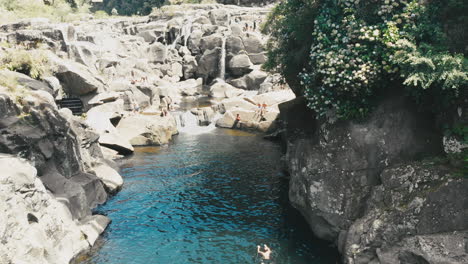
265	253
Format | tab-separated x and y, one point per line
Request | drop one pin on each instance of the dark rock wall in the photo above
368	186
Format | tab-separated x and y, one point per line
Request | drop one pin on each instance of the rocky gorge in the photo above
372	187
127	72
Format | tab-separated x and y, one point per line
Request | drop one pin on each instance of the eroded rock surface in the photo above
363	185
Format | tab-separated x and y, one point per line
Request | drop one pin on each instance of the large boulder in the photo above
157	52
274	98
76	79
110	177
240	65
109	137
250	81
258	58
202	20
189	66
254	79
249	120
234	45
209	64
236	103
27	81
403	221
83	52
190	87
220	17
252	43
224	90
142	130
194	40
210	42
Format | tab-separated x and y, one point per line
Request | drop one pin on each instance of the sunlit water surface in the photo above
207	198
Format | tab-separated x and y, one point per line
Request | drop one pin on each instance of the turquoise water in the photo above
209	198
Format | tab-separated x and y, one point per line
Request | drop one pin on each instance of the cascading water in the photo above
184	33
222	59
188	123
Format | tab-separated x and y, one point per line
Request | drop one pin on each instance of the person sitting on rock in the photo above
236	122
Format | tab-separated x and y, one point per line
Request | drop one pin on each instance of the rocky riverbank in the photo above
127	72
376	187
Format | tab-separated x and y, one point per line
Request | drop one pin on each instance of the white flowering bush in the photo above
357	51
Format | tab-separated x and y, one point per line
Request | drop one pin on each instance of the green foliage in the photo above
360	48
58	10
437	79
13	87
33	63
100	14
131	7
179	2
290	28
8	81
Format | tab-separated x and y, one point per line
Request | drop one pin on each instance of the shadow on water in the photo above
209	198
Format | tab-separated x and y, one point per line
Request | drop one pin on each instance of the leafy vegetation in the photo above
359	49
131	7
58	10
33	63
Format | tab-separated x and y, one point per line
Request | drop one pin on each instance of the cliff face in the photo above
368	187
48	194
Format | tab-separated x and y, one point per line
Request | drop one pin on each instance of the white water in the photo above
184	32
188	123
222	60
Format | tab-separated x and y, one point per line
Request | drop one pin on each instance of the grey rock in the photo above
208	64
240	65
219	17
158	52
210	42
76	79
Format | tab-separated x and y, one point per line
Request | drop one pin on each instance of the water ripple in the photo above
208	198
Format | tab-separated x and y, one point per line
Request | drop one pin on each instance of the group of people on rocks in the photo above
166	101
136	80
247	27
260	111
166	105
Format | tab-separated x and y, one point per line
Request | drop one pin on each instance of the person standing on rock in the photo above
262	112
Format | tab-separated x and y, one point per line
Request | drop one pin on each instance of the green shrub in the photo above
360	48
57	10
437	79
8	81
33	63
290	27
100	14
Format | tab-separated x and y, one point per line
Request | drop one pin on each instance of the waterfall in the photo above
222	59
184	32
188	123
174	43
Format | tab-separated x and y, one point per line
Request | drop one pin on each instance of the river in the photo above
206	198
